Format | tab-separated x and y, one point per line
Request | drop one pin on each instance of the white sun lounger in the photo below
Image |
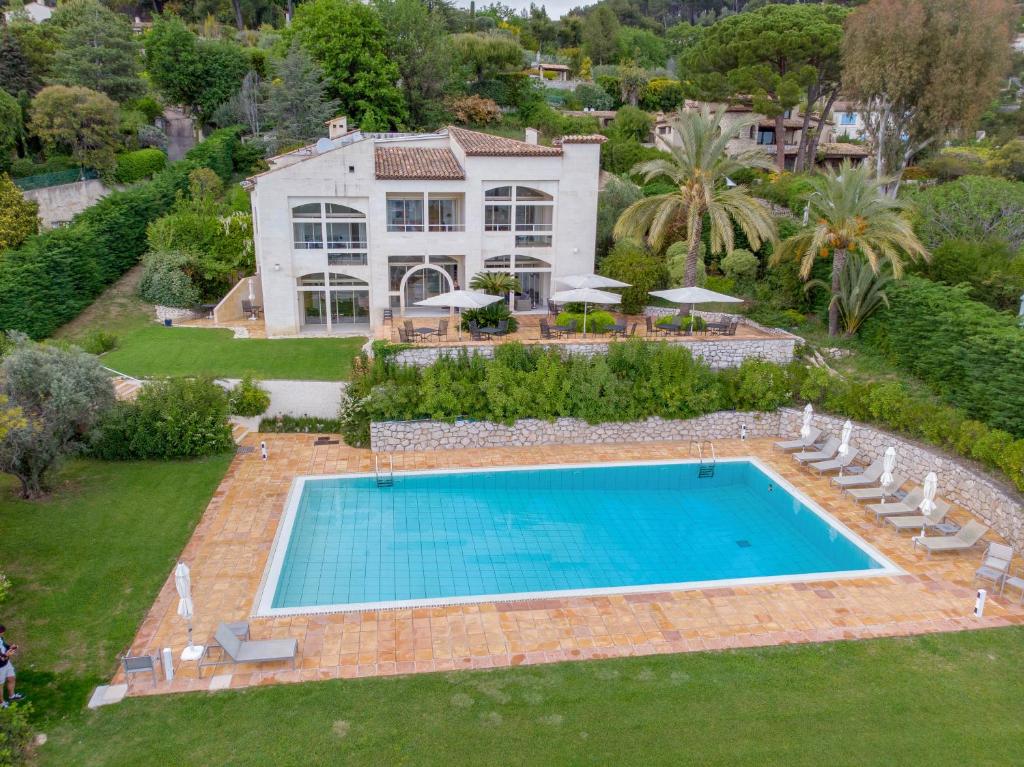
919	521
800	443
235	650
878	493
827	453
966	539
897	508
837	463
869	476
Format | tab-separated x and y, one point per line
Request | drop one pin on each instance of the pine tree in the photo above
97	51
15	71
297	103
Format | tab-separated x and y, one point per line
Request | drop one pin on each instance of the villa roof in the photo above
423	163
843	149
588	138
477	144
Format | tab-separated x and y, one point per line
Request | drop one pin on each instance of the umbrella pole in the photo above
584	319
190	631
691	319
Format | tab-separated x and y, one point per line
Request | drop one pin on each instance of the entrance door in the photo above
314	305
350	307
424	283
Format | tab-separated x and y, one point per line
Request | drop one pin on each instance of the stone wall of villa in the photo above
725	353
401	436
982	496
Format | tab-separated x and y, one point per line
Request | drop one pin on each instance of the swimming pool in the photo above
469	536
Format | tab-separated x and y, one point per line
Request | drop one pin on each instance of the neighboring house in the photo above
364	222
762	134
37	13
849	120
559	72
603	116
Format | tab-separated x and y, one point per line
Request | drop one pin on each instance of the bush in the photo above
15	734
996	274
788	190
593	96
698	323
597	322
490	316
99	342
164	280
947	166
741	265
248	399
758	385
474	110
5	587
675	262
56	163
176	418
972	208
776	318
289	424
140	164
629	261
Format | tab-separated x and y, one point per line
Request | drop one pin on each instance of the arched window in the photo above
499	193
314	280
343	211
529	194
498	262
306	210
341	227
339	280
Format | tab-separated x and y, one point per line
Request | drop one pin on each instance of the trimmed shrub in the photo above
176	418
758	385
248	399
140	164
698	322
289	424
631	262
99	342
597	322
741	265
164	281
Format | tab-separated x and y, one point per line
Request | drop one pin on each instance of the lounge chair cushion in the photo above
265	650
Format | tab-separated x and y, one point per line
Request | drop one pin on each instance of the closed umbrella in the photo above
931	485
805	430
844	441
460	299
591	281
888	466
586	296
183	585
695	295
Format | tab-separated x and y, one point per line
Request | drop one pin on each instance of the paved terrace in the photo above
229	550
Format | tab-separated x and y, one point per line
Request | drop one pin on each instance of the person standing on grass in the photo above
7	670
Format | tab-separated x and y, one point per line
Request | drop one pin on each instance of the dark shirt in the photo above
4	647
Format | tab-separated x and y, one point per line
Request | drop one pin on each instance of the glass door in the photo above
314	305
350	307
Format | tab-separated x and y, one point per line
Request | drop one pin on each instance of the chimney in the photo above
337	126
532	136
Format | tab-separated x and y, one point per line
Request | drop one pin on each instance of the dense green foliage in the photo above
176	418
489	316
248	399
970	353
290	424
629	261
165	282
635	380
140	164
54	275
971	208
596	321
19	218
994	272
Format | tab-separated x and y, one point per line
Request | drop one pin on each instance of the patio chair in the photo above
546	332
653	329
879	493
234	650
251	310
388	316
827	453
996	565
409	329
965	540
801	443
731	330
869	476
896	508
567	329
442	329
138	664
1015	583
838	463
920	521
553	309
474	331
403	336
502	328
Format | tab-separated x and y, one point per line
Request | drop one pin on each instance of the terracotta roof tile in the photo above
477	144
589	138
425	163
843	149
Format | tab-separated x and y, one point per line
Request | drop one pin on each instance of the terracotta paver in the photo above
229	549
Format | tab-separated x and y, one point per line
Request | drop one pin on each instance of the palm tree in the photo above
850	213
495	283
700	166
861	292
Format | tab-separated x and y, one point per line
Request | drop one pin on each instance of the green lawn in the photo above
941	700
86	564
153	350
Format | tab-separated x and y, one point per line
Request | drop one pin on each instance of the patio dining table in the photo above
425	332
716	328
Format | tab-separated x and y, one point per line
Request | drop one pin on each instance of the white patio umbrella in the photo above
183	585
888	466
844	438
805	430
931	485
695	295
591	281
586	296
460	299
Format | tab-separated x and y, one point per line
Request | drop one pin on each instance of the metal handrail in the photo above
119	374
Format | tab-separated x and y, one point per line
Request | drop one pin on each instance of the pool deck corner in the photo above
228	556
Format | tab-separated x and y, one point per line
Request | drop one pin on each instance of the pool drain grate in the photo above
743	544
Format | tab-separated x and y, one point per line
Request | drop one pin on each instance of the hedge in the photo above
970	354
140	164
53	276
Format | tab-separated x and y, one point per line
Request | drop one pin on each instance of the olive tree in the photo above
61	394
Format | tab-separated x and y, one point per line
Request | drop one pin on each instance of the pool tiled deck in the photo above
229	549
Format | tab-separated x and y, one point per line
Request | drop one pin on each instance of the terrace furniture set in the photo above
408	334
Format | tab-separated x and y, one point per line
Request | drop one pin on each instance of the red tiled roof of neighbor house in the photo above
424	163
485	145
588	138
842	149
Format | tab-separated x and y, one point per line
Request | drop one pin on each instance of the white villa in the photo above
362	223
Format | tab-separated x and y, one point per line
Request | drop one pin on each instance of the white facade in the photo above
849	120
363	223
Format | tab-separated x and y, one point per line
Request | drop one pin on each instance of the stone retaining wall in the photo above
718	354
175	314
401	436
982	496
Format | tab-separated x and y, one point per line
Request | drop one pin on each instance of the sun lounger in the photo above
896	508
879	493
801	443
235	650
837	463
967	538
996	565
919	521
869	476
827	453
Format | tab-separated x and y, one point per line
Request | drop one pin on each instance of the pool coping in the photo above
272	571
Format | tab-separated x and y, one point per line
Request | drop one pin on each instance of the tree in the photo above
483	57
632	83
347	39
418	44
19	217
699	167
860	294
62	394
971	208
642	46
631	123
297	102
776	54
80	120
593	96
924	70
495	283
26	55
618	194
97	50
851	214
629	261
601	35
11	130
15	71
1008	160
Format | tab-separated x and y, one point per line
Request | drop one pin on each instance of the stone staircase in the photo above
126	388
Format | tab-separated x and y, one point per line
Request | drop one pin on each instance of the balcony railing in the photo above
447	227
347	244
405	227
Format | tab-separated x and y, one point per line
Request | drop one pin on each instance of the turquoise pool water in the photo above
459	535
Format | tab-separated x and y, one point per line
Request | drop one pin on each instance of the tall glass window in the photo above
344	226
444	214
405	214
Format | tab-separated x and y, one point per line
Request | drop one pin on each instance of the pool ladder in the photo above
385	477
707	465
